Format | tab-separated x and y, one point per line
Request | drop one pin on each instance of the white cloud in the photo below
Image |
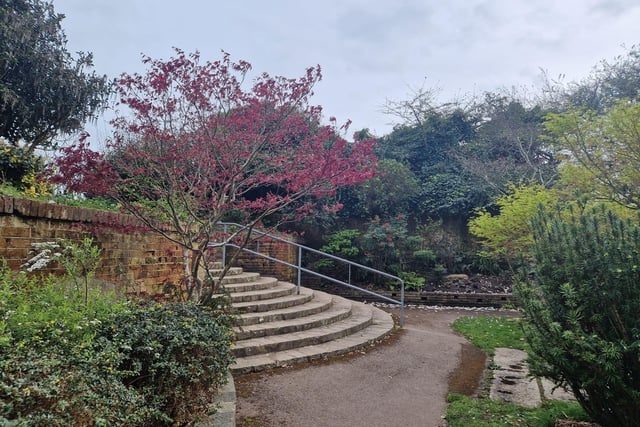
369	51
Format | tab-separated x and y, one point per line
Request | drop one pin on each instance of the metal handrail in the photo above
300	269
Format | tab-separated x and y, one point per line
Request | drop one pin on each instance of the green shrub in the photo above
175	355
18	163
341	244
582	310
61	386
104	361
412	282
51	373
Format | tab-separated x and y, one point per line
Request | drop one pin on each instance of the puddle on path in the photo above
467	377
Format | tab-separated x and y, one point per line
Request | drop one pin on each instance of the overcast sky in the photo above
369	51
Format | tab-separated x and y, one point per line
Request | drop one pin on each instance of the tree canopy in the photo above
508	147
608	82
606	146
194	146
44	91
427	145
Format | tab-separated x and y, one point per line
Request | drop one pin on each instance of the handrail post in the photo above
401	303
299	268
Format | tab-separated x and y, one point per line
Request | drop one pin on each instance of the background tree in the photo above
427	146
581	309
608	82
196	146
44	91
505	232
607	146
393	191
508	147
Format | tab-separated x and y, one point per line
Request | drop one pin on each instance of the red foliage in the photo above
82	170
197	145
192	129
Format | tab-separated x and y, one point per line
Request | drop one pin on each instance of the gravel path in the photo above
403	382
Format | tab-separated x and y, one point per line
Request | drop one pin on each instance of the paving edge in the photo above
225	404
512	382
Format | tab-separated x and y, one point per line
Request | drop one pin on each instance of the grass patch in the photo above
489	332
252	422
464	411
9	190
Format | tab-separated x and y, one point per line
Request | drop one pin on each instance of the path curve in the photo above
403	384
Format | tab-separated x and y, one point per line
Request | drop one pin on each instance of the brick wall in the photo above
139	260
274	249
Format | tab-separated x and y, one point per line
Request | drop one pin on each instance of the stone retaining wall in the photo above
447	299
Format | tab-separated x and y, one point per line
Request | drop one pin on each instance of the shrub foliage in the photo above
582	309
66	361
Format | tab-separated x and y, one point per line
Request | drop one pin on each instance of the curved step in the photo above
258	284
242	277
281	289
321	301
361	317
233	271
340	309
276	303
381	326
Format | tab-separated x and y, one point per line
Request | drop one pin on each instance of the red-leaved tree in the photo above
194	146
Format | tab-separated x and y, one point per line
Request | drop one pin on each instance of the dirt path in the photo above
403	382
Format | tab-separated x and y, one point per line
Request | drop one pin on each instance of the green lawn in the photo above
490	332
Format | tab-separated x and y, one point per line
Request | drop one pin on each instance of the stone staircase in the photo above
276	326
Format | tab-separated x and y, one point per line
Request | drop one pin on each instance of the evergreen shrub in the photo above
582	305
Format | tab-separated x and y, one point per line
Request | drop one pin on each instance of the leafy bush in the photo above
412	281
341	244
104	361
18	165
52	374
175	355
582	310
383	243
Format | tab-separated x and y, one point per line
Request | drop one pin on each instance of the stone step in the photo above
276	303
281	289
233	271
340	309
361	317
381	326
242	277
258	284
321	301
